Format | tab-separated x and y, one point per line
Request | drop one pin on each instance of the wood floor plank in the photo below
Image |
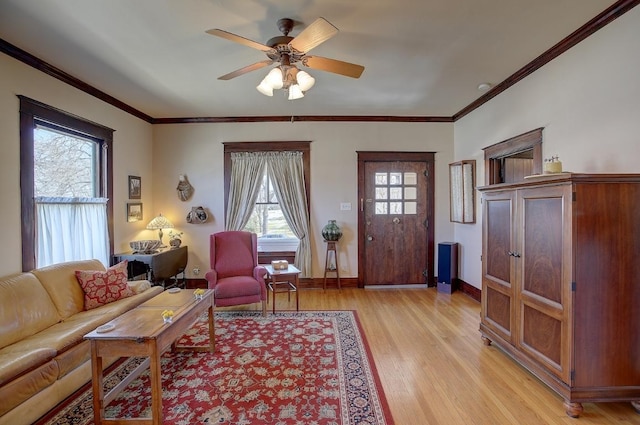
435	369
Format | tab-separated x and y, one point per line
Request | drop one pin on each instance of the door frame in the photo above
390	156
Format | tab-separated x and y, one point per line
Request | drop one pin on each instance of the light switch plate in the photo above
345	206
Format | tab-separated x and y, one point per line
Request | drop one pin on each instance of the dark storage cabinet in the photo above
559	290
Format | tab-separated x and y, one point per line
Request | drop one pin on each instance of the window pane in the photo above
381	208
410	178
267	219
381	178
64	165
410	193
395	207
410	208
381	193
396	193
268	222
395	178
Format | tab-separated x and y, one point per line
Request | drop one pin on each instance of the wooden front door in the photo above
395	225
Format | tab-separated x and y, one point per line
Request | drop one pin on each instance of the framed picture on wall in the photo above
134	211
462	188
135	187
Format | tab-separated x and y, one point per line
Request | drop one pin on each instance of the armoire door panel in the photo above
542	247
498	311
542	337
498	243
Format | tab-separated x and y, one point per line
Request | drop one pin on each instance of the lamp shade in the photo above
265	88
305	81
274	78
295	92
158	223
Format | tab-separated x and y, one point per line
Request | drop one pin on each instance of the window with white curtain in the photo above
66	174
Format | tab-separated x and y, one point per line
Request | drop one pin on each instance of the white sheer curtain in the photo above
286	172
247	169
70	229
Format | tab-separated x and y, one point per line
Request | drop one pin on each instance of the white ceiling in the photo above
421	57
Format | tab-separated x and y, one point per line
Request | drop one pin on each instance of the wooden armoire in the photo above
561	282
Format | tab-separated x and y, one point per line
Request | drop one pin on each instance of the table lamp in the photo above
158	223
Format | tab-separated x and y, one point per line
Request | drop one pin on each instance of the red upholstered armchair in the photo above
235	275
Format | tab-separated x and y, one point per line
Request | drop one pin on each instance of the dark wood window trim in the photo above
32	112
531	140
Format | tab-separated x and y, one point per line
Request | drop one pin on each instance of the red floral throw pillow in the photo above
103	287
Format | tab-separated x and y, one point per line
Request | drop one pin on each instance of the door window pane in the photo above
410	193
381	208
395	178
410	208
395	207
410	178
396	193
381	178
381	193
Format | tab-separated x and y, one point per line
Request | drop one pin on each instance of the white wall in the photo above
197	151
587	100
132	151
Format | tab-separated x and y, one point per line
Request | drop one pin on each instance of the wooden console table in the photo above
160	266
142	332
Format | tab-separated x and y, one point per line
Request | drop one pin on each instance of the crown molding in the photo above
613	12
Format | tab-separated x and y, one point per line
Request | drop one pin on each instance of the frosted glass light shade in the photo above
295	92
305	81
274	78
265	88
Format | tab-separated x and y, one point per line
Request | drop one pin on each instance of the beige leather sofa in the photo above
43	356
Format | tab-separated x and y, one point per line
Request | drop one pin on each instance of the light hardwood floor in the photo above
434	368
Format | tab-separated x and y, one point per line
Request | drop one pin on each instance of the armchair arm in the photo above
259	273
212	278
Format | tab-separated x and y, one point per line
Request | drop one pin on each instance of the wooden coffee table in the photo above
141	332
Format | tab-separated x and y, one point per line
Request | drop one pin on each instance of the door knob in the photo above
369	238
396	220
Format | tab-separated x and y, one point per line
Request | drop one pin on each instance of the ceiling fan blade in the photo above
249	68
239	39
318	32
332	65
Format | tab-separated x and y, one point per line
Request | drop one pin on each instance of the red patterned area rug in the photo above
291	368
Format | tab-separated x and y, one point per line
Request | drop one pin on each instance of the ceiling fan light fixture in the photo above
305	81
265	88
295	92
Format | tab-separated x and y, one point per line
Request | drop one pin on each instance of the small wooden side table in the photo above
331	247
285	280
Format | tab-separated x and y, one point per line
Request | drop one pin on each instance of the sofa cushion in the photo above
70	359
15	392
25	308
104	287
15	364
60	282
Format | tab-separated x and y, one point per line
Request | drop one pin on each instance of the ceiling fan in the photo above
289	51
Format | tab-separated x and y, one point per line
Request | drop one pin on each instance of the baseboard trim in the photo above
407	286
469	290
352	282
